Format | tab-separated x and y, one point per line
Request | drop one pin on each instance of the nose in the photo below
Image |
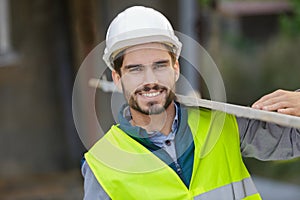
149	76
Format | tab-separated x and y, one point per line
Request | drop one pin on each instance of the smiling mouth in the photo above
151	94
149	91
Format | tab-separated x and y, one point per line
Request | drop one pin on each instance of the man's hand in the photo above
282	101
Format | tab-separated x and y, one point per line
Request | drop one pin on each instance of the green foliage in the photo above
239	42
204	2
251	69
290	25
287	170
250	74
281	64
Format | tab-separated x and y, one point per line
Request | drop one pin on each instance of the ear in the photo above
117	79
177	70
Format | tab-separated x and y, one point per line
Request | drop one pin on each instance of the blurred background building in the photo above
255	45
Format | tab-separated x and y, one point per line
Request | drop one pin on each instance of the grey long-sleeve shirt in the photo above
261	140
267	141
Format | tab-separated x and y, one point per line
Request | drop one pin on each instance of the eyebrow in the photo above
162	62
137	65
132	66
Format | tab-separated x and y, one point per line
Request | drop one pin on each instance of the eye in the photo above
135	68
160	65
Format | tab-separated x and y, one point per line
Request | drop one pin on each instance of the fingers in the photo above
267	102
290	111
282	101
274	105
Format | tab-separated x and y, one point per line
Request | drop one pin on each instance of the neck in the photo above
159	122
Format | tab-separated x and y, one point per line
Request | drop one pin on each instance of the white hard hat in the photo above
138	25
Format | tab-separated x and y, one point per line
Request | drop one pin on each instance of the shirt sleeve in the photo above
92	189
268	141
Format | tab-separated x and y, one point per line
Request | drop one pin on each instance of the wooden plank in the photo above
237	110
242	111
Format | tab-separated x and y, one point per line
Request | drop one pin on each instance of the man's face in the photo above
148	78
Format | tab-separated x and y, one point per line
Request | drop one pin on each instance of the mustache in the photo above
147	88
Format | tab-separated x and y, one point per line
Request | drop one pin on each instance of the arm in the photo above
282	101
92	188
266	141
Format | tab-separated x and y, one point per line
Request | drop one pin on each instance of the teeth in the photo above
151	94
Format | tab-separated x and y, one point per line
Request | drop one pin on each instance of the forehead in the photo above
146	53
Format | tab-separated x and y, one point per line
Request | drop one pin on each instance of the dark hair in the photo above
118	59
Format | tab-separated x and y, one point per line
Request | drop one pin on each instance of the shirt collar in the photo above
127	116
156	137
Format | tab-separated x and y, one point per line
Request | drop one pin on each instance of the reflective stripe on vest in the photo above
237	190
127	170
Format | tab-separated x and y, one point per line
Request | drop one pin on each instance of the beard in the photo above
153	107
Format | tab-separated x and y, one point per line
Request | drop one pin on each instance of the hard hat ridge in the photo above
138	25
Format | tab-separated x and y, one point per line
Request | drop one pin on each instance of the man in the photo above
156	152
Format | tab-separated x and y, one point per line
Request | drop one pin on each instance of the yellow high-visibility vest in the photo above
127	170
